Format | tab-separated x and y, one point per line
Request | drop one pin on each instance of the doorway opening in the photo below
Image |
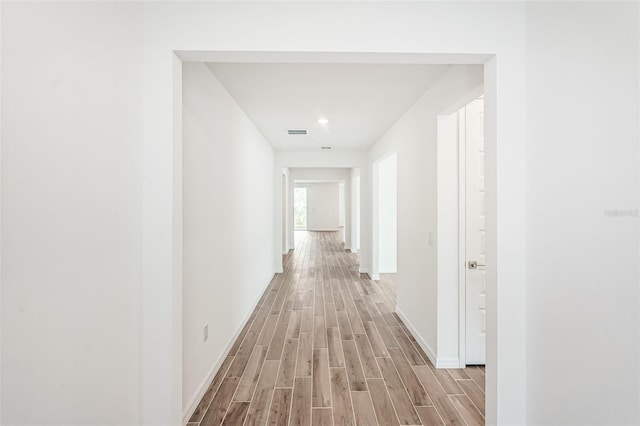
366	226
300	208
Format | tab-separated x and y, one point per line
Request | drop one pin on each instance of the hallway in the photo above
324	347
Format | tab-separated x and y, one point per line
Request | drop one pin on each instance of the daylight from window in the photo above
300	208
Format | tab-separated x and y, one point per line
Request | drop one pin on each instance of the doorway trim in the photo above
161	289
462	243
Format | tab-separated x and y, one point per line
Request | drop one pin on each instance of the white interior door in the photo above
475	233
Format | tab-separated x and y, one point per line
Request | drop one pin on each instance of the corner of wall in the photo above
421	341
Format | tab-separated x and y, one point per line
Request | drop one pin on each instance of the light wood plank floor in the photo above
325	347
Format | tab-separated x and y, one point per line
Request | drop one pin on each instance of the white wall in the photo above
447	237
341	205
71	210
387	214
228	172
285	210
323	203
568	57
355	209
415	137
582	159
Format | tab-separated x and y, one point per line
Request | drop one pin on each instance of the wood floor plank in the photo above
305	355
363	409
385	332
261	401
468	411
415	389
208	396
236	413
404	408
475	394
249	378
298	303
338	299
377	344
309	299
258	322
318	303
307	320
277	342
287	370
449	385
293	332
322	417
321	393
280	407
387	315
354	318
332	319
383	407
341	398
267	331
440	399
458	373
409	350
354	367
362	311
429	416
242	357
477	374
320	332
301	402
345	325
218	408
336	354
369	364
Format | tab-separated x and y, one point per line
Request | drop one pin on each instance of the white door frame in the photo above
462	241
462	229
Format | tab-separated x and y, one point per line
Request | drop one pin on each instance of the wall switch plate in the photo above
206	332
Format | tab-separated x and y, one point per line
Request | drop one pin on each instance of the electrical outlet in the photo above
430	239
206	332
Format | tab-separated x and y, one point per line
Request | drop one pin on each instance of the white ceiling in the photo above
361	101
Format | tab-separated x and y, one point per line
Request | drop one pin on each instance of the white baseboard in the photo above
195	400
423	344
363	270
438	362
447	363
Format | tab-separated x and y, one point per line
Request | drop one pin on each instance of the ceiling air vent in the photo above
298	131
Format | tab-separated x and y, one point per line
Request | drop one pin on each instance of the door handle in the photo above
473	264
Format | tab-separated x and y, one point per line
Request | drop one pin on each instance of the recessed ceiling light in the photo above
323	121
